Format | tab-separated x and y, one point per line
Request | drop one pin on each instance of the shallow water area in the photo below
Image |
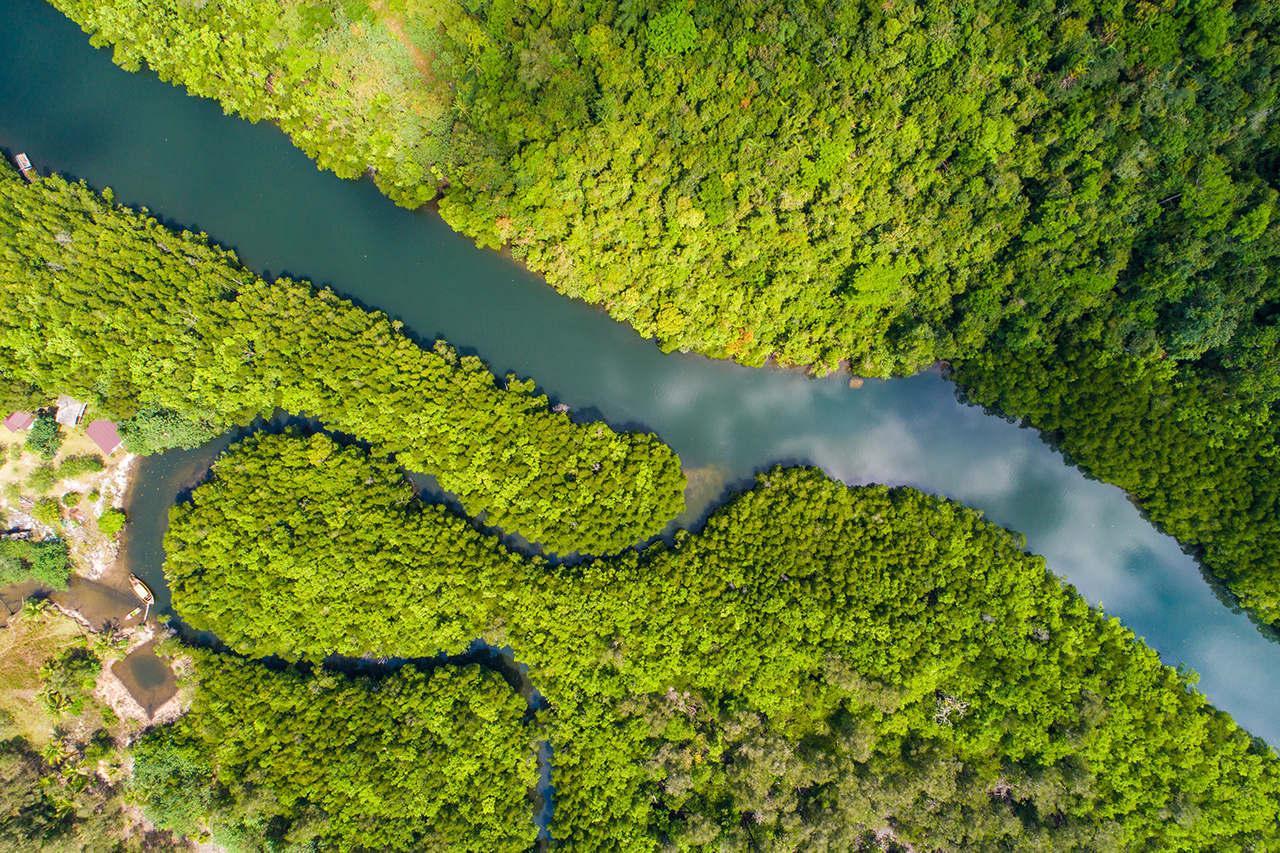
72	111
148	679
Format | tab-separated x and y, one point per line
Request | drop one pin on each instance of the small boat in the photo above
25	165
141	590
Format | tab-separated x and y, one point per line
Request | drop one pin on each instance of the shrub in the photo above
71	498
156	429
44	562
94	495
42	479
47	512
87	463
112	522
45	436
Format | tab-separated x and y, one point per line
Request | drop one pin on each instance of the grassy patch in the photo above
25	645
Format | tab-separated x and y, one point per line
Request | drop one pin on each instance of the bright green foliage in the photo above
44	437
1206	474
112	521
217	345
819	662
76	466
71	498
154	430
273	498
44	562
820	180
353	85
67	680
47	511
409	762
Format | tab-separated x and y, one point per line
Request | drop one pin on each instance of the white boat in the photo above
25	165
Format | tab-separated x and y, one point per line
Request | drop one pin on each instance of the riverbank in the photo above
66	734
78	497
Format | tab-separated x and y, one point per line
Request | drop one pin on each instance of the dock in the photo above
28	171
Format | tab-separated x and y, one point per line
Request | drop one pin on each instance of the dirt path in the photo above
421	58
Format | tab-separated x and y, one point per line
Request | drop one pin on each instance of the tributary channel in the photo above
74	113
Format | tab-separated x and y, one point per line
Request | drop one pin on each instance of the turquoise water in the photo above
73	112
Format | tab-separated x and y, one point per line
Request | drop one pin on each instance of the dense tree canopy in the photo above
882	183
817	664
1212	483
820	180
282	760
44	562
110	306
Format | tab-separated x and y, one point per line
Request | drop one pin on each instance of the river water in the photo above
73	112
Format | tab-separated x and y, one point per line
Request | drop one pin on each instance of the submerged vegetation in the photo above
217	346
819	663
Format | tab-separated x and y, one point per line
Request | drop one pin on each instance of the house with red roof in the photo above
104	434
19	421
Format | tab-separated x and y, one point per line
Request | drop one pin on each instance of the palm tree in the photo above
35	609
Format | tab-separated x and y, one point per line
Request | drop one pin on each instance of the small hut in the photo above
19	421
69	411
104	435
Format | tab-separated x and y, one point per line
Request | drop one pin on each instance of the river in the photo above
73	112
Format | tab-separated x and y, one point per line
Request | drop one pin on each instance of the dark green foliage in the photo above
407	762
887	184
1205	472
112	521
819	180
44	562
45	437
71	498
817	664
43	810
216	345
76	466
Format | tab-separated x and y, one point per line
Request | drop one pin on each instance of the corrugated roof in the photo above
70	411
104	435
19	421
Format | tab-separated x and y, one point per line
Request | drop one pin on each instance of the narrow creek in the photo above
74	113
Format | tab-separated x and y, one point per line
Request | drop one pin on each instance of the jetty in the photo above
28	171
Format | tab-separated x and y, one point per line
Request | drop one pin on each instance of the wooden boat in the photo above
141	590
25	165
